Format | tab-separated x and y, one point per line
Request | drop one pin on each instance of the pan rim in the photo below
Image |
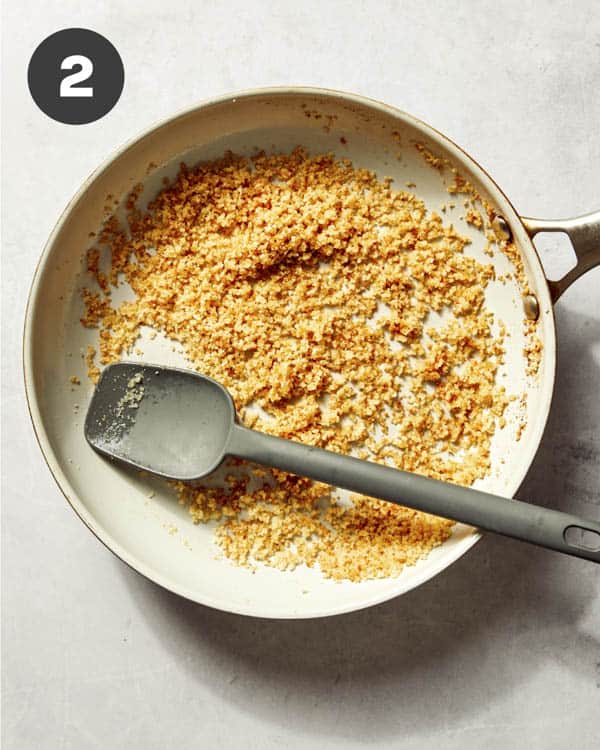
44	442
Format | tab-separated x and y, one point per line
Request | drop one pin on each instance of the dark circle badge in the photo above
75	76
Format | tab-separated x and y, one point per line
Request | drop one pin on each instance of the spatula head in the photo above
171	422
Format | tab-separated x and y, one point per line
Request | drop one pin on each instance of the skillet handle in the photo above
584	233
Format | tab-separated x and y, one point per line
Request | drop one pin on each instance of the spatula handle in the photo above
529	523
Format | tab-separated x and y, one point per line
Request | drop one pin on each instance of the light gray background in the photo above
503	649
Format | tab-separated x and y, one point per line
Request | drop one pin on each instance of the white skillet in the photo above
153	534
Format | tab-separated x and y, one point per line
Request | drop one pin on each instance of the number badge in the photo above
76	76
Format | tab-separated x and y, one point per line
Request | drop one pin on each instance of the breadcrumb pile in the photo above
310	289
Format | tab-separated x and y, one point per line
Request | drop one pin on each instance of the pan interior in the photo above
137	516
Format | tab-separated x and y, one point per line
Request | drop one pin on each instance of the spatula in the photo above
182	425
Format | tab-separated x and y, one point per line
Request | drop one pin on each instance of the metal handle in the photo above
584	233
520	520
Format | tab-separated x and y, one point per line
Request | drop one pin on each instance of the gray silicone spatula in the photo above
182	425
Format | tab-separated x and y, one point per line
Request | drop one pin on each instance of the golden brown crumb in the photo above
74	380
306	286
437	162
533	348
93	267
473	217
481	214
93	369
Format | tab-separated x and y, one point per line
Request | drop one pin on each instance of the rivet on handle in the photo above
501	228
531	306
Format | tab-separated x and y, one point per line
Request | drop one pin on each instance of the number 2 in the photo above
68	82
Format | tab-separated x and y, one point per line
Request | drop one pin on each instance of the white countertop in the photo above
503	649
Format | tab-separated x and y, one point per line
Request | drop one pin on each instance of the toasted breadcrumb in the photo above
481	214
93	369
93	267
306	286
